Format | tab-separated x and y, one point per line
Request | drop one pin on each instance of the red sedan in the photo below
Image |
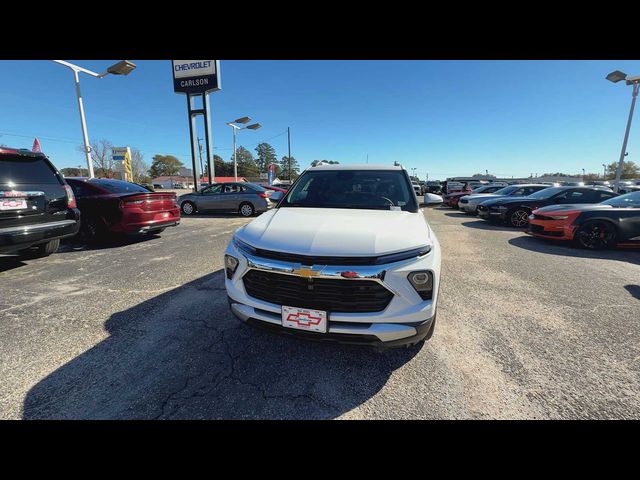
114	206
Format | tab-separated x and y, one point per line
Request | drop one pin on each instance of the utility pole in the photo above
201	165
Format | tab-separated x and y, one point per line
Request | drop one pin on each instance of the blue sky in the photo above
445	118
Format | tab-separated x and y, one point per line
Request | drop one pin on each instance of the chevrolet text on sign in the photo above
196	76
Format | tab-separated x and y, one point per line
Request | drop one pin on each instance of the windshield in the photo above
118	186
362	189
505	190
630	200
547	192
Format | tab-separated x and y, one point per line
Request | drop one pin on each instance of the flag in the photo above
36	146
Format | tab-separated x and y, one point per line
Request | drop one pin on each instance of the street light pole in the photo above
635	82
243	121
235	162
604	172
289	143
626	136
121	68
83	123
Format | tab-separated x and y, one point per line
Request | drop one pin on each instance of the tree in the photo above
138	166
629	170
74	172
101	153
266	155
222	168
246	164
318	162
284	168
165	165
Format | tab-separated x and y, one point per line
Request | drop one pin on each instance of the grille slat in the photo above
319	293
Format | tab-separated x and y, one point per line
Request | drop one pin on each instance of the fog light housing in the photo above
422	282
230	265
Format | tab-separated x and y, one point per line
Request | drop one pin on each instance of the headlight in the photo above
230	265
501	207
422	281
558	217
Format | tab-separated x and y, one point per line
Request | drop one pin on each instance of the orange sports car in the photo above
594	226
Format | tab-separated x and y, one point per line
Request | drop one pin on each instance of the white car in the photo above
347	255
416	188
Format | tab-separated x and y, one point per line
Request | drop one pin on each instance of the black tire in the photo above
43	250
93	229
596	235
246	209
190	208
518	218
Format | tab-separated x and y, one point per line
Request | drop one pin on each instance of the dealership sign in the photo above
122	158
196	76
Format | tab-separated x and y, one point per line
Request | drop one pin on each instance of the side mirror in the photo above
431	199
276	196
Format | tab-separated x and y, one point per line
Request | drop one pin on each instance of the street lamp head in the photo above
616	76
255	126
122	68
242	120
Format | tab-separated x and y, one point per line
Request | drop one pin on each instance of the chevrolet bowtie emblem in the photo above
306	272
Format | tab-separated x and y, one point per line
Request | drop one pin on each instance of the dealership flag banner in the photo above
36	146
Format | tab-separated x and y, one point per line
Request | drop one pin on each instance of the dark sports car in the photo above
516	210
613	222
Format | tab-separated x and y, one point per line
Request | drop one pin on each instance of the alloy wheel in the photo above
519	218
596	235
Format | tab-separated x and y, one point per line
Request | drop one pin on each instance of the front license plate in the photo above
304	319
13	204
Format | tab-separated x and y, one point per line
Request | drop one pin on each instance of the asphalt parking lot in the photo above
141	329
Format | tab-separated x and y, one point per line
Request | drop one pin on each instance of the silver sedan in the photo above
244	198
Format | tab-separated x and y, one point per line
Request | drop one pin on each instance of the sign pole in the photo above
207	138
192	127
197	78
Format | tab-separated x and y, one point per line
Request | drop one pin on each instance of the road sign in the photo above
196	76
122	156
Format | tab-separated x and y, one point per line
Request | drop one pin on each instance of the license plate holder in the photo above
13	204
306	319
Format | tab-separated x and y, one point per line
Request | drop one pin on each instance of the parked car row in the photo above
593	217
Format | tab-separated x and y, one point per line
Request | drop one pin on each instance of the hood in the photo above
576	206
336	232
483	196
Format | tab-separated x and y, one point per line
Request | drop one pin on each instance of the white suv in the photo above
346	255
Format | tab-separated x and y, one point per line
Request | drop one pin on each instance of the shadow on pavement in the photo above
458	215
182	354
634	290
487	225
568	250
75	244
10	262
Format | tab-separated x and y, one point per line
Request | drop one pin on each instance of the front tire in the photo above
188	208
246	210
518	218
596	235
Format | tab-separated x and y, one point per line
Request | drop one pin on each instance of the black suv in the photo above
37	207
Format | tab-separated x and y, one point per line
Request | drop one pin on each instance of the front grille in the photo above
349	296
536	228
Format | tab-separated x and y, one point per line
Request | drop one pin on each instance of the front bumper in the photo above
552	229
406	319
491	214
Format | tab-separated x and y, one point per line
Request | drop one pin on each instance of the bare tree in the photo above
138	165
102	160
